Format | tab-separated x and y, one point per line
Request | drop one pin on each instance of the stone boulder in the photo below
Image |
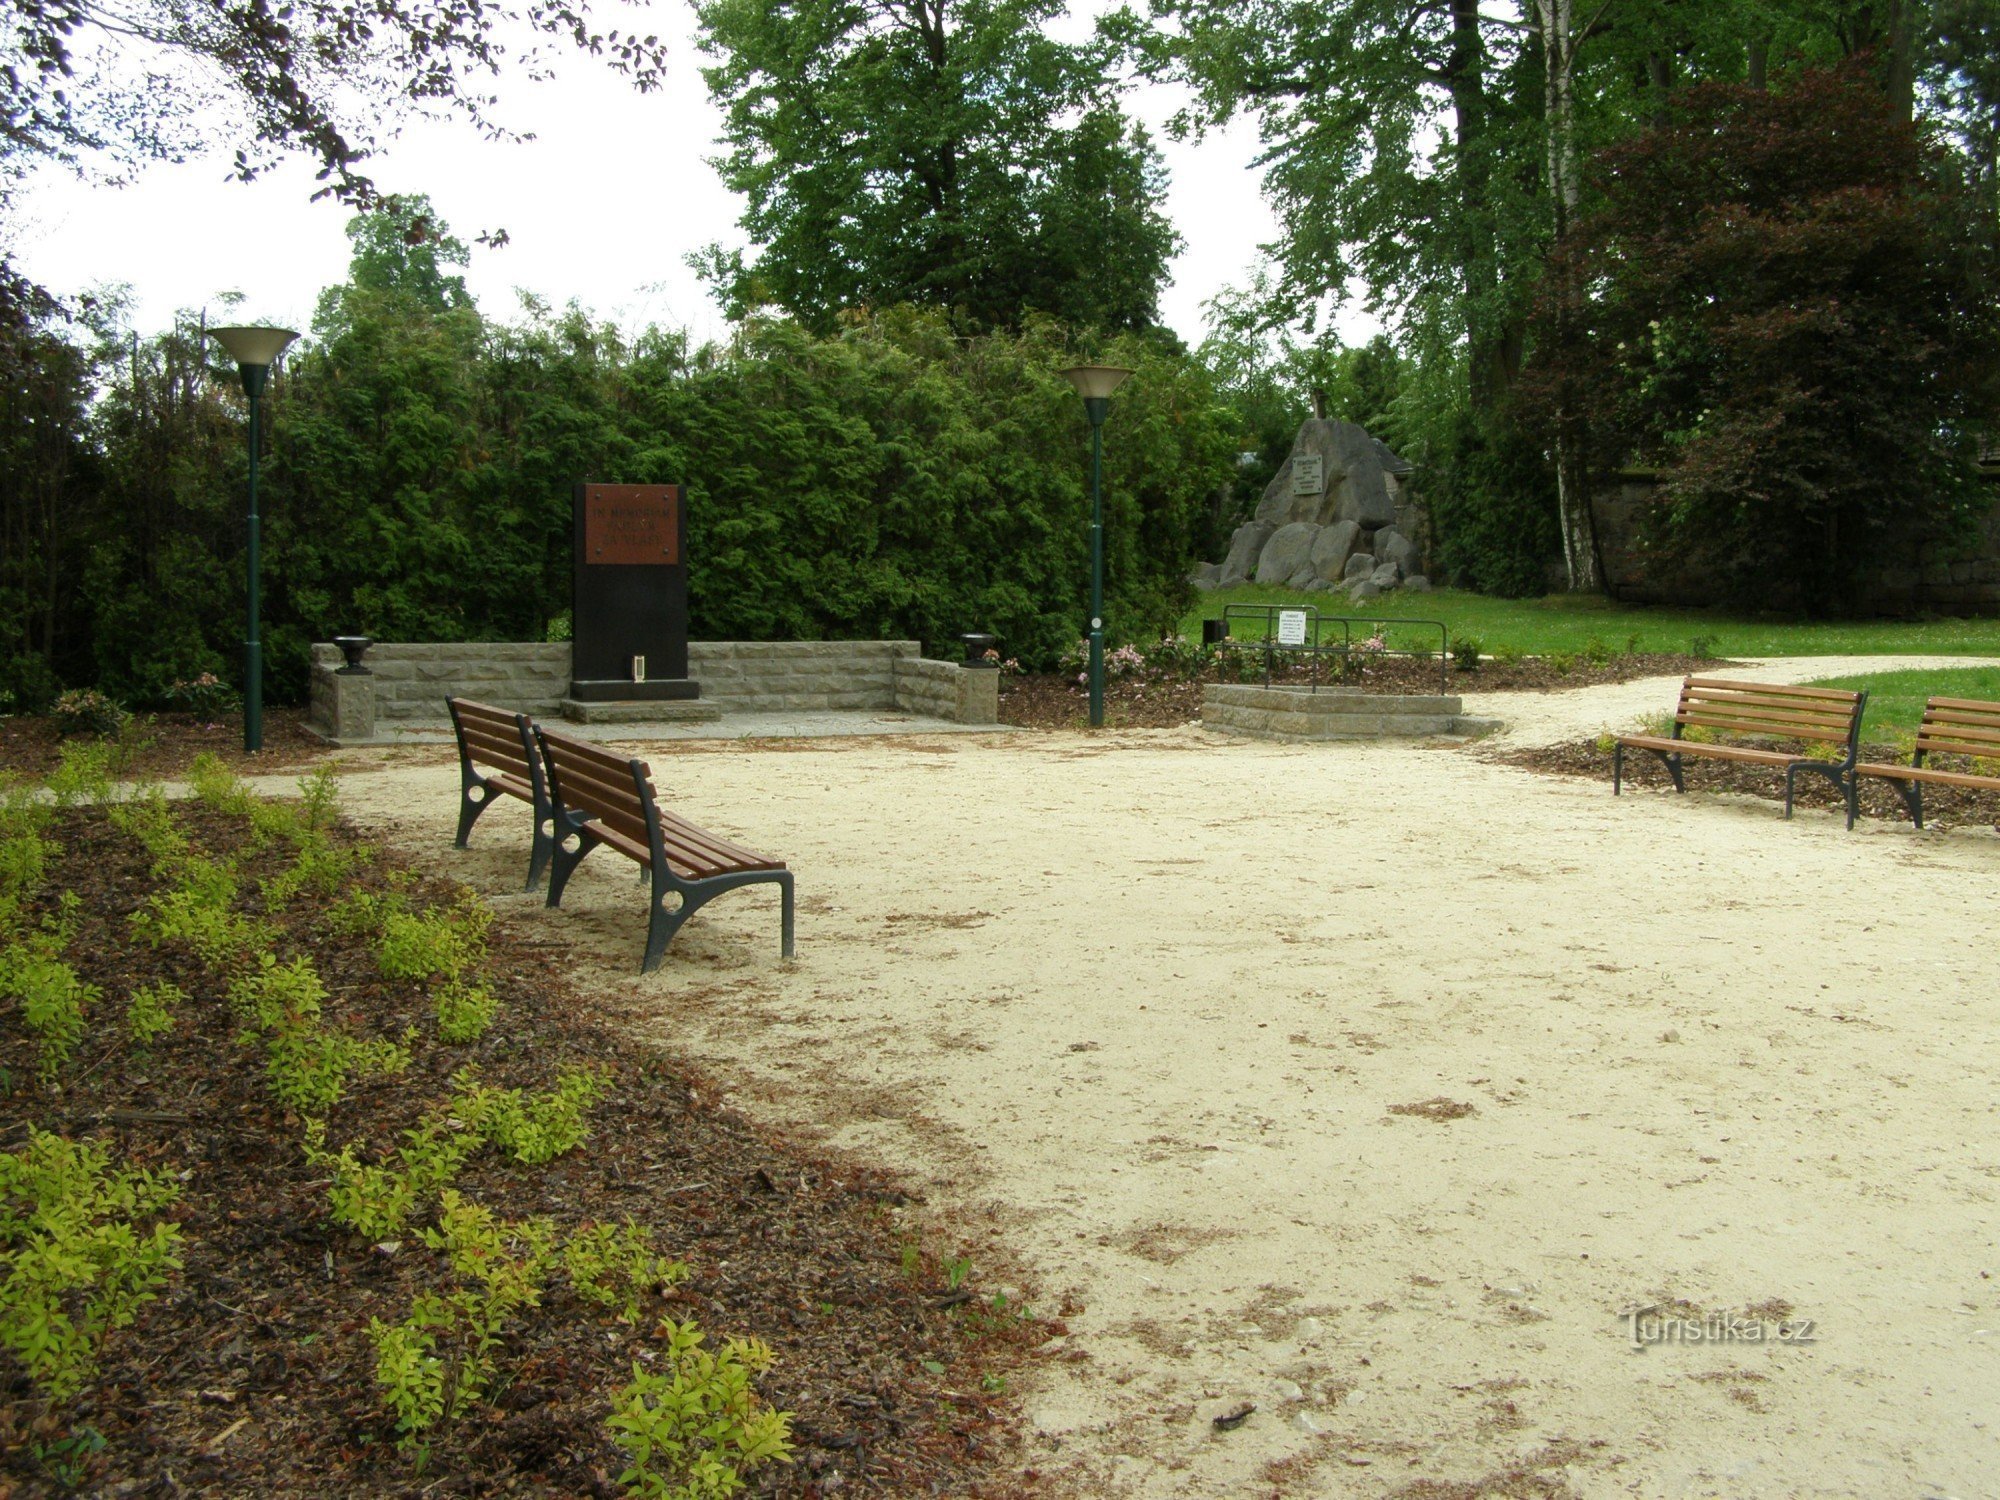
1288	553
1353	483
1244	548
1206	575
1365	589
1386	576
1333	547
1416	583
1359	566
1392	545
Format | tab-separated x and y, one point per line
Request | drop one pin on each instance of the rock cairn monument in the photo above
1328	522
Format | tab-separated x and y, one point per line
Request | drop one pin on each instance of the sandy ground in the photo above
1141	1009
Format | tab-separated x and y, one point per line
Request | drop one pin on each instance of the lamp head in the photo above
1096	382
253	349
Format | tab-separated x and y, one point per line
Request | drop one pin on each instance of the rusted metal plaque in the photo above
632	523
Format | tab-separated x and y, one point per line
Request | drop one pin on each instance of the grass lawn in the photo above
1564	622
1896	699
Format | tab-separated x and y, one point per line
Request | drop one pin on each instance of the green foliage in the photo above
693	1428
75	1263
377	1201
149	1013
1597	652
51	995
216	786
1792	322
204	695
435	944
994	176
440	1360
197	911
307	1063
616	1267
465	1008
1465	653
534	1129
147	818
87	711
82	773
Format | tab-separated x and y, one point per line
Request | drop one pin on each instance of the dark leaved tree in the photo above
1788	313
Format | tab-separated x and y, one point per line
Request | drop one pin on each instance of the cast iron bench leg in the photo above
563	860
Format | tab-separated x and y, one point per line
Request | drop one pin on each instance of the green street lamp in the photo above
254	350
1095	383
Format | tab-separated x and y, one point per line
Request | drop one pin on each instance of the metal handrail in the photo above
1318	648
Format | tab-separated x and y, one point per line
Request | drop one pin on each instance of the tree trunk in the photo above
1491	356
1579	532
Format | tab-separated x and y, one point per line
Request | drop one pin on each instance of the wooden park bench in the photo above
1819	716
504	741
607	799
1951	726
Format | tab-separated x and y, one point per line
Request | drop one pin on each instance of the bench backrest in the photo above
1817	715
496	737
1959	726
615	790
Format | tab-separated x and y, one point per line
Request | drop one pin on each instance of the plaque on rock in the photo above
628	608
1308	474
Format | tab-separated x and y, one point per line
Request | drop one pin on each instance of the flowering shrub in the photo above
1124	662
87	711
206	696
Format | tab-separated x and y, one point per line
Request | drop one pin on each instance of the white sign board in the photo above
1308	474
1291	627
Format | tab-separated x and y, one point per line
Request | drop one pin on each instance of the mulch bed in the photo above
166	744
253	1373
1055	701
1944	806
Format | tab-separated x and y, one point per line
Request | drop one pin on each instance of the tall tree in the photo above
1790	319
946	153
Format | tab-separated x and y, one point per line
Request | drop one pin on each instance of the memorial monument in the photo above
629	612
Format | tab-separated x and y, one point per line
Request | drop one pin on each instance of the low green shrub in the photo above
75	1262
695	1427
614	1266
49	992
533	1129
149	1012
1465	653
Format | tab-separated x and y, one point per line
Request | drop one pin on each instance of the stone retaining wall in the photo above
409	683
945	690
1289	713
798	676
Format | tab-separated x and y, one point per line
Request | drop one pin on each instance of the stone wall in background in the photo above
1908	579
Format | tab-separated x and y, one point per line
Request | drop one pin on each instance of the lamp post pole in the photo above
254	350
1097	408
1095	383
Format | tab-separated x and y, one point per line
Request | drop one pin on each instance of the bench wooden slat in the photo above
1948	729
1785	690
491	749
1788	729
1717	752
1977	751
1811	708
1971	705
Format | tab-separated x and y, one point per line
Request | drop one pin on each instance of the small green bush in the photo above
1465	653
695	1427
75	1262
534	1129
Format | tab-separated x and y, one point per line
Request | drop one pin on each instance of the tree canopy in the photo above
1789	315
944	153
102	86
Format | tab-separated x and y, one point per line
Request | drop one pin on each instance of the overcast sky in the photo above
603	206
